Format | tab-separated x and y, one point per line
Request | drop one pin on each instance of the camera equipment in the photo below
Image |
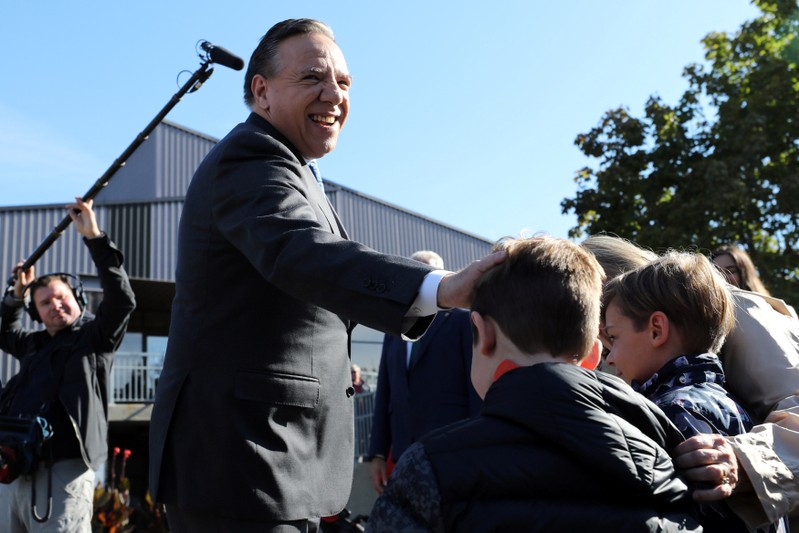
22	441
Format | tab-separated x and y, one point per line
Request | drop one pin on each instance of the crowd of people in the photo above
691	423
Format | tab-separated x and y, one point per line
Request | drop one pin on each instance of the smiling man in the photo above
63	378
252	428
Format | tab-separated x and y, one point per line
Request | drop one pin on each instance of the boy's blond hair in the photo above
687	288
545	296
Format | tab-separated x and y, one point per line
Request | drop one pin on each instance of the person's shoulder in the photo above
747	299
455	316
412	498
259	131
555	382
414	474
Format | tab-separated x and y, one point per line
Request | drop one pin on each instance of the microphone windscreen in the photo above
223	57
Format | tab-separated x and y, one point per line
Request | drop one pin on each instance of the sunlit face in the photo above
726	264
308	99
56	306
630	351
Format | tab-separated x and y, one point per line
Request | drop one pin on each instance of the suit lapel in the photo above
317	196
427	338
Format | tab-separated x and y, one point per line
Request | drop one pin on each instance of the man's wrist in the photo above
426	302
10	297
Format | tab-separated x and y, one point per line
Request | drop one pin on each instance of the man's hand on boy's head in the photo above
457	289
708	462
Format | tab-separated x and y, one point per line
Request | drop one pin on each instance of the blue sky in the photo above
463	111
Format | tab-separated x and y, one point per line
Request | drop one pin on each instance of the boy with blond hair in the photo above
555	447
663	324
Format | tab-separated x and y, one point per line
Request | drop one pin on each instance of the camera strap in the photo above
47	447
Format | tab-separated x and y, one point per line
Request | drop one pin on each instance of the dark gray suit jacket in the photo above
253	418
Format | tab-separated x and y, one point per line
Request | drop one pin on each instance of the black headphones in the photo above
74	284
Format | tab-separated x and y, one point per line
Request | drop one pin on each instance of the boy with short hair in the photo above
663	324
552	439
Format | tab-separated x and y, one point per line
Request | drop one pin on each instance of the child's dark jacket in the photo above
554	448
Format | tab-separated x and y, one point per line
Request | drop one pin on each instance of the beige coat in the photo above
761	362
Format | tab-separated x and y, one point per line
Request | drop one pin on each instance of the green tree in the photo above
720	166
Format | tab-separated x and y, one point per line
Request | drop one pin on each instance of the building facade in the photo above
140	209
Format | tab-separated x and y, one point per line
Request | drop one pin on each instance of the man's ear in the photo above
486	338
259	87
658	328
592	361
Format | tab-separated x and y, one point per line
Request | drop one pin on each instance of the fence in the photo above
364	407
134	378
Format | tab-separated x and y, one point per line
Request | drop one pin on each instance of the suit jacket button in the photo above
350	392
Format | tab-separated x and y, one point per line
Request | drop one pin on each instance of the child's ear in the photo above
658	328
592	361
486	338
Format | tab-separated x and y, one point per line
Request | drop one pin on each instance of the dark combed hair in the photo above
545	297
264	58
44	281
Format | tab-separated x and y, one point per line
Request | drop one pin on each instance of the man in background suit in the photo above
421	385
252	428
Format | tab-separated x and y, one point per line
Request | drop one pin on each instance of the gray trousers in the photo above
73	494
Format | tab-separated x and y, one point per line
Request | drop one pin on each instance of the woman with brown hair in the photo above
738	268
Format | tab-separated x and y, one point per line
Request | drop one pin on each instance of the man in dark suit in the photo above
421	385
252	428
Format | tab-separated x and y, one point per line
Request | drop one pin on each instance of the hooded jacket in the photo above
554	448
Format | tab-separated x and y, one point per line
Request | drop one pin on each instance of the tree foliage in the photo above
720	166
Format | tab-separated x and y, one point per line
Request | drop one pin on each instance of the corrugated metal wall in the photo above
164	220
161	167
22	230
393	230
179	151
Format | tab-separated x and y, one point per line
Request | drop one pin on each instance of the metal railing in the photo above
134	378
364	408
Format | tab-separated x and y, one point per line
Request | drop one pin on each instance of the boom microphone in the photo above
221	56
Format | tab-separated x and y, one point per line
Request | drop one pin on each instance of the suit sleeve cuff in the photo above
426	302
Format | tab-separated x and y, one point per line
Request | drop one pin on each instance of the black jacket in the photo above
555	448
86	351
